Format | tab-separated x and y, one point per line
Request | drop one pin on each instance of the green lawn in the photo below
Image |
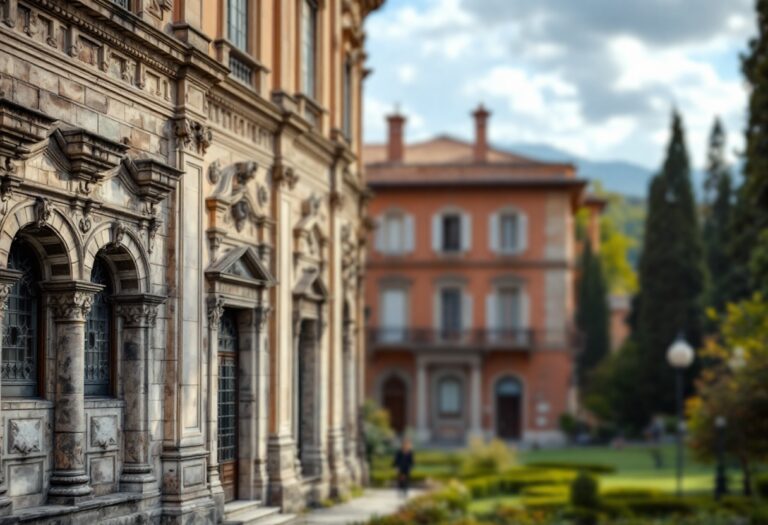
635	468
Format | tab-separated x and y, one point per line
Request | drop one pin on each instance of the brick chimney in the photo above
481	134
395	147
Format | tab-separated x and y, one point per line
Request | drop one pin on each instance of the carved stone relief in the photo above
103	432
24	436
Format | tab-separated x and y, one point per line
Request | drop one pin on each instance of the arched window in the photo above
20	325
449	396
98	335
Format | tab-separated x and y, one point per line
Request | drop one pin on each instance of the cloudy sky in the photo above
594	77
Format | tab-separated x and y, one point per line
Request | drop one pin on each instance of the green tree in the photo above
671	276
718	211
748	247
734	386
592	313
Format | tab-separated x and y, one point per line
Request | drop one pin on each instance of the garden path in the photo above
373	502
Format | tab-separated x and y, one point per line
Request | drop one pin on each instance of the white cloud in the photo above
596	78
406	74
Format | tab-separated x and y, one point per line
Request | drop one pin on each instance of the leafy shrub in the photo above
484	458
630	492
582	516
761	485
585	492
595	468
379	436
512	482
655	506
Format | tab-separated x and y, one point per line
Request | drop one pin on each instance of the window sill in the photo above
22	403
103	402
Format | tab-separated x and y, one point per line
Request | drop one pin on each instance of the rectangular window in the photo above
509	232
450	306
237	23
451	233
125	4
509	309
393	315
308	46
450	397
347	105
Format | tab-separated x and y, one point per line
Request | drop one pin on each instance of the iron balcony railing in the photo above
518	338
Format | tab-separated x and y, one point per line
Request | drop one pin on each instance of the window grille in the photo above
227	438
125	4
20	324
98	358
241	71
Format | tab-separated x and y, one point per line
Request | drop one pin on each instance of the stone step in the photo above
252	513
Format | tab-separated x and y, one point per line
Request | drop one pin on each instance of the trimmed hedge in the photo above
761	485
592	468
514	481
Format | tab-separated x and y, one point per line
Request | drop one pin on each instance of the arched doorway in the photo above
509	408
394	397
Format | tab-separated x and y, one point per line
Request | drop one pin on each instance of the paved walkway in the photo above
374	502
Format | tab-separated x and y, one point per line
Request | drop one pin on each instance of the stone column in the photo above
476	402
69	304
215	311
422	425
139	313
7	279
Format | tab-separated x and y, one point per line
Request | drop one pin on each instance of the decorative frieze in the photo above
221	113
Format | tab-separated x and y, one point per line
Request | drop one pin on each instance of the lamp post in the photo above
721	480
680	356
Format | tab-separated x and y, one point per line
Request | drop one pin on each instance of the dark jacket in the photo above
403	462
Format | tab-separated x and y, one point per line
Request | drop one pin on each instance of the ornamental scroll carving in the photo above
70	306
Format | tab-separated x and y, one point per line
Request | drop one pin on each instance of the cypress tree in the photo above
671	276
747	248
592	313
717	220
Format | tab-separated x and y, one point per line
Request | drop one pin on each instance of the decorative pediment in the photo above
311	286
241	266
21	128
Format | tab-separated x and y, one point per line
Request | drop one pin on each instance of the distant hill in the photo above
616	176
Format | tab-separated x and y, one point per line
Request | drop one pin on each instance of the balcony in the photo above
475	339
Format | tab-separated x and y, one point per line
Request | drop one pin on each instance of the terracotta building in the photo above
181	245
470	288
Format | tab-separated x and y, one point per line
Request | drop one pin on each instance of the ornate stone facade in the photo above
182	242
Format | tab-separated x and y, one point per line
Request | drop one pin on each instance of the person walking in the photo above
404	464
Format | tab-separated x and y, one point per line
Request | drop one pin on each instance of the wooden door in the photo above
228	399
509	409
394	401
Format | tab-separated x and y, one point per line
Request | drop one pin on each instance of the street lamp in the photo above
680	356
721	480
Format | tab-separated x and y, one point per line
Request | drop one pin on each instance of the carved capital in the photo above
193	135
262	317
215	311
7	280
139	310
70	306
